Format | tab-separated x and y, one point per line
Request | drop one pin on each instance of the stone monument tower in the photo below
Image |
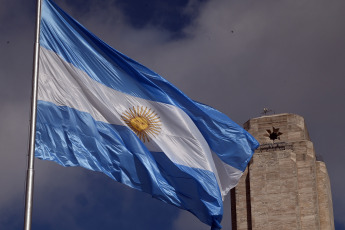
285	186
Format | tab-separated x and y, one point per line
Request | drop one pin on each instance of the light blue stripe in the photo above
63	35
73	138
71	41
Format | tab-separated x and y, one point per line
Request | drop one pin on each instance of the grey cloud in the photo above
239	57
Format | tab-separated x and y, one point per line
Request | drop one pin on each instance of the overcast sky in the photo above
238	56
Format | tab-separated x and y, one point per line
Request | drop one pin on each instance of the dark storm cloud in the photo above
117	205
338	225
172	16
241	56
16	45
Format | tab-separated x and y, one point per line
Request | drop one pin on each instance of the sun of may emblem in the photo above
143	121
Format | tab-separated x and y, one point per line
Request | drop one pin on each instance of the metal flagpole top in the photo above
31	155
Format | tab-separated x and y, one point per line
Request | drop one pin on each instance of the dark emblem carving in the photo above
273	135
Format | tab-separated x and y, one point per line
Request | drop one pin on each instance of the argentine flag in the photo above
101	110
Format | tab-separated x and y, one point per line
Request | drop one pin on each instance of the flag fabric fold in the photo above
101	110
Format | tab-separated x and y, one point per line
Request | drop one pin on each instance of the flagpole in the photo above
31	155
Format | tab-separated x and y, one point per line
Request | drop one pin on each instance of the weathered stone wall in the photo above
280	187
242	205
325	198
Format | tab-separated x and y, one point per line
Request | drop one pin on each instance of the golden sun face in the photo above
143	121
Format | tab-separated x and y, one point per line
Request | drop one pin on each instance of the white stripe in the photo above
228	175
65	85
